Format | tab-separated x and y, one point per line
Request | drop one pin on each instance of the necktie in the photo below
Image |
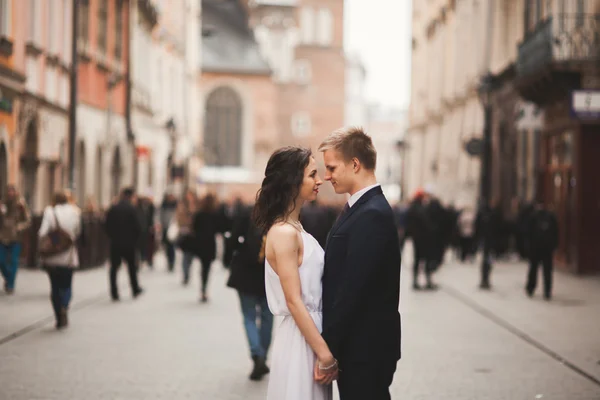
344	211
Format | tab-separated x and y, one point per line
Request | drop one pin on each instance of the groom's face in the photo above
338	171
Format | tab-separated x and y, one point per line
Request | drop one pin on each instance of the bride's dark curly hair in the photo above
277	195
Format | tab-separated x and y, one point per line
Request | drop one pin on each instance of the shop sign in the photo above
585	104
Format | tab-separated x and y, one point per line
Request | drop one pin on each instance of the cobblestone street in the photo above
458	343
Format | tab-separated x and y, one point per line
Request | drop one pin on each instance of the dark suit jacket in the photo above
123	225
361	283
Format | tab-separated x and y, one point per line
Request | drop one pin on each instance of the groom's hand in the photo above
325	377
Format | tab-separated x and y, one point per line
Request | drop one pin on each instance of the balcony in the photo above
552	58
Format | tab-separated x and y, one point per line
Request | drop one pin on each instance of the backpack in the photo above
56	241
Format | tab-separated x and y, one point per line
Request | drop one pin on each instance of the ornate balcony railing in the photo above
562	40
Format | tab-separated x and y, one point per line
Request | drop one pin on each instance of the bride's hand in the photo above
326	372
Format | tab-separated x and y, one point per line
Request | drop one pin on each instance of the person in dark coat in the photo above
228	214
419	229
487	225
206	226
146	211
543	241
167	211
123	230
248	279
522	229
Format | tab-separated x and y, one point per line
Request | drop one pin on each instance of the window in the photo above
302	72
119	29
324	27
102	24
67	32
301	124
223	128
50	84
35	22
580	11
307	25
84	20
5	17
53	24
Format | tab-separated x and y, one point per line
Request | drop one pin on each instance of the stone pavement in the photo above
458	343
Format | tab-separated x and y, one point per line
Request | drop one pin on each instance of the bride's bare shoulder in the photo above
282	233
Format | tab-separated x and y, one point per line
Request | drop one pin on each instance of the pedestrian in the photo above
543	241
420	229
146	213
186	240
248	279
123	230
205	227
60	266
14	220
166	215
466	231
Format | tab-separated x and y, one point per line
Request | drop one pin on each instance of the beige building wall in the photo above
454	44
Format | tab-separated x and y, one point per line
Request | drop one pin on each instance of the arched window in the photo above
223	128
324	27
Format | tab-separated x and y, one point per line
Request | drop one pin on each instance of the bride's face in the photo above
310	185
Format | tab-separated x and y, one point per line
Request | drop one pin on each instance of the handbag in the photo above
173	231
56	241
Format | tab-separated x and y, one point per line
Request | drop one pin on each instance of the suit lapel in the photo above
364	198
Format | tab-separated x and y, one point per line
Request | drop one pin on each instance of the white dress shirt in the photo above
356	196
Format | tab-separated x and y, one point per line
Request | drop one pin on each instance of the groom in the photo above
361	280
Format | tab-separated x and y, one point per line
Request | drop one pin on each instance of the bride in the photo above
302	366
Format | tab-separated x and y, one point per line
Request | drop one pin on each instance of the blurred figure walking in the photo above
14	220
186	240
248	278
543	241
167	211
61	215
206	226
123	229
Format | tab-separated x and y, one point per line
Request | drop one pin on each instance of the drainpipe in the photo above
128	127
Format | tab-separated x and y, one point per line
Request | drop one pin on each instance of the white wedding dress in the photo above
292	359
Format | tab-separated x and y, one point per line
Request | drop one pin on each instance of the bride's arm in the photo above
284	241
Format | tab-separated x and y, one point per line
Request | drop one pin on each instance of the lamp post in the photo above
484	91
172	129
73	95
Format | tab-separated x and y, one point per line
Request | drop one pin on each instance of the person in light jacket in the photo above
60	266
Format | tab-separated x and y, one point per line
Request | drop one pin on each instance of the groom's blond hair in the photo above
352	142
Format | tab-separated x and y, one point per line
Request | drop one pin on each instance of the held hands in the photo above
326	370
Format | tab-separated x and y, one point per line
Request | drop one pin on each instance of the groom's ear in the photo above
355	164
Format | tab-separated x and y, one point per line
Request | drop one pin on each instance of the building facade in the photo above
103	151
356	111
284	82
387	127
12	86
239	102
558	56
539	54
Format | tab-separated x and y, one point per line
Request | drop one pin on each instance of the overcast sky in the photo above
380	32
